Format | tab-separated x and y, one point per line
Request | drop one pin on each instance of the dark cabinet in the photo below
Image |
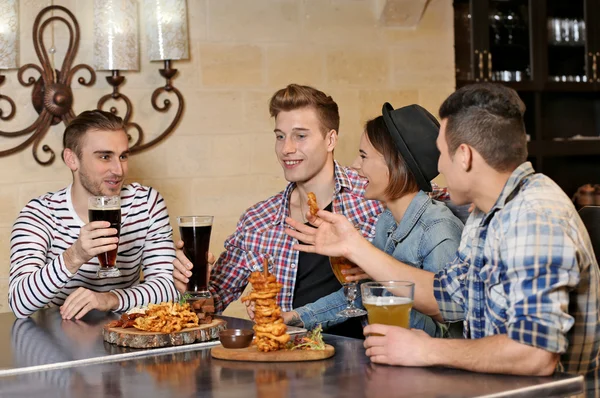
549	52
571	51
536	42
501	35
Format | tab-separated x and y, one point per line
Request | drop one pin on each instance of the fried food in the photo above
284	338
271	332
126	320
313	207
257	278
167	318
276	329
265	294
268	311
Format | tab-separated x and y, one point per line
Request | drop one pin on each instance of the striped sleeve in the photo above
157	260
34	282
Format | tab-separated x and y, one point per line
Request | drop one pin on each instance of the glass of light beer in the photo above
388	303
107	208
350	289
195	234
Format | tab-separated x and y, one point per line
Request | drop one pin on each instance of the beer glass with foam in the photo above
107	208
195	234
388	303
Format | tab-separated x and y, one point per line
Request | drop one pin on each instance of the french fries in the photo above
167	318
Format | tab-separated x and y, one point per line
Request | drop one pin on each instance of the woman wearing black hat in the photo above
398	156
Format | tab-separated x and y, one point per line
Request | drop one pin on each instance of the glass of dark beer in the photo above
195	234
107	208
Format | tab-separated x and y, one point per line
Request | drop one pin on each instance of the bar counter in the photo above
89	367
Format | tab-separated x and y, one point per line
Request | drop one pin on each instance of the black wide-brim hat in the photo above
414	131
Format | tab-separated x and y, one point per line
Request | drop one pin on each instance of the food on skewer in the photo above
271	332
313	206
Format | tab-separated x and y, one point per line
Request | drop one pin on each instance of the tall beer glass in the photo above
337	265
195	233
107	208
388	303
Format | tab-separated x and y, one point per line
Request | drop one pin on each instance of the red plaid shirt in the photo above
260	234
439	193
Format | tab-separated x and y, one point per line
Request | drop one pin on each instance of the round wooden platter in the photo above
135	338
252	354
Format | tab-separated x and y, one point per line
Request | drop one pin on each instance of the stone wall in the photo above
220	160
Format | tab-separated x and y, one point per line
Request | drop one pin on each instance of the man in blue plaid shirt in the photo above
525	282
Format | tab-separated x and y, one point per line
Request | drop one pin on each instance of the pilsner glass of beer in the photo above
388	303
350	289
195	234
107	208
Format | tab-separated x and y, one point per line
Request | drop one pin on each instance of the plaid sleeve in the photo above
541	268
367	218
229	276
448	288
439	193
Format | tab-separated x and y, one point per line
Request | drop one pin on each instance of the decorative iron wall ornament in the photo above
52	96
115	80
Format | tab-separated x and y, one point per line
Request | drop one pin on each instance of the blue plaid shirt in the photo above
527	269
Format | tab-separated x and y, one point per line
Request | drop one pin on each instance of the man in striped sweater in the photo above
54	246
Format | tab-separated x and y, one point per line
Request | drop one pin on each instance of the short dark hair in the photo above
295	96
488	117
86	121
402	180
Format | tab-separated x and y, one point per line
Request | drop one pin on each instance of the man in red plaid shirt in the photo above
306	134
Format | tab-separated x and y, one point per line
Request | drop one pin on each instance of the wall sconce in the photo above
115	49
9	33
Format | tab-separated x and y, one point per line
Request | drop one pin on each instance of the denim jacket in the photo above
427	237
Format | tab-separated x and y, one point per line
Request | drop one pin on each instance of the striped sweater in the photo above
48	225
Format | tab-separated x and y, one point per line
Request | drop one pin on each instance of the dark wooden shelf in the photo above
571	87
530	86
564	148
519	86
554	109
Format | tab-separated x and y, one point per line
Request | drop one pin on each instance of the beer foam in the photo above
197	224
390	300
103	208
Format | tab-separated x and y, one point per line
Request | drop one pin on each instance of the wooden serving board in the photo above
253	355
132	337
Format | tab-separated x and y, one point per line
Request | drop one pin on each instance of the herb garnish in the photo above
184	298
312	341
